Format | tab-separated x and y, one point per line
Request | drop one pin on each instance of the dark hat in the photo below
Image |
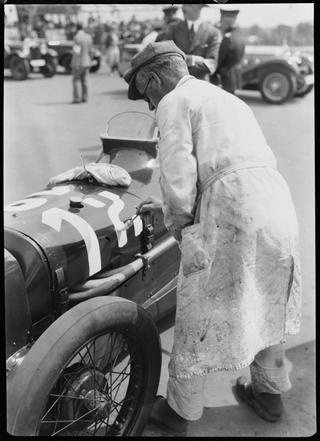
170	9
148	54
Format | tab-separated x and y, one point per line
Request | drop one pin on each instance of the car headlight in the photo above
295	60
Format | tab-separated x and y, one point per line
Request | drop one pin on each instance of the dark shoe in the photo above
267	406
75	102
166	418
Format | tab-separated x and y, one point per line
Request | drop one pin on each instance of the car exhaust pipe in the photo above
114	278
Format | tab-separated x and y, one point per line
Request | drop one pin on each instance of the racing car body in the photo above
86	278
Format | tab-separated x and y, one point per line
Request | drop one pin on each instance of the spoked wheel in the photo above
277	85
106	384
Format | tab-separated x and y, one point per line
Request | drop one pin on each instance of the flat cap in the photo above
148	54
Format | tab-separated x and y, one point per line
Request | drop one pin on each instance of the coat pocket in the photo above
194	257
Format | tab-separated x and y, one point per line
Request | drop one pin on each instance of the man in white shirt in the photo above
197	38
225	202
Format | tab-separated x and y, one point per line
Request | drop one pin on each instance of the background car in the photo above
63	47
29	55
86	279
277	72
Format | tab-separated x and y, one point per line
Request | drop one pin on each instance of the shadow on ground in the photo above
299	419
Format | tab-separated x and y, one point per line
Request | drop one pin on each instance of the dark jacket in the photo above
231	52
205	43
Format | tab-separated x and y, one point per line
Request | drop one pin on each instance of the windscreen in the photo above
132	125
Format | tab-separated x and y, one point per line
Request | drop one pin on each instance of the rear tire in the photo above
71	373
277	85
96	67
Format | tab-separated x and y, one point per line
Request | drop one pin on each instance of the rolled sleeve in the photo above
178	166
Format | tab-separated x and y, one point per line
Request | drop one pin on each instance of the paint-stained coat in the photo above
239	288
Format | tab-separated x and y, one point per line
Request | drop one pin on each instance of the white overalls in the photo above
239	287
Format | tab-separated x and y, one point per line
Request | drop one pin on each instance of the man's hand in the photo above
152	204
191	60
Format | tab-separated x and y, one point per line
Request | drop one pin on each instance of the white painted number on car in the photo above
32	202
113	211
54	216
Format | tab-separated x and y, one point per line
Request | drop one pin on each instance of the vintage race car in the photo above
278	72
86	280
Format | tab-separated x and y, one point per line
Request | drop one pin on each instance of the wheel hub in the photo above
94	399
86	398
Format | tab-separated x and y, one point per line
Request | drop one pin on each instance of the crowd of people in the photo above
213	51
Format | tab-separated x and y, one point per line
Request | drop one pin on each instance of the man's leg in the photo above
185	396
84	83
75	82
184	403
269	379
269	373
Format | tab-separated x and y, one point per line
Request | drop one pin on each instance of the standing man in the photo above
229	208
231	52
198	39
170	15
81	62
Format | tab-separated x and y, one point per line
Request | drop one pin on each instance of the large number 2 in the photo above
54	216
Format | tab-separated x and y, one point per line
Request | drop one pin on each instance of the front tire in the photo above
50	68
19	69
94	371
277	85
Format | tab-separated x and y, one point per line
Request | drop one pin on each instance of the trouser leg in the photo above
75	82
185	396
269	372
84	83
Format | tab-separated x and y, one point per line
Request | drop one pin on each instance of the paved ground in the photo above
45	135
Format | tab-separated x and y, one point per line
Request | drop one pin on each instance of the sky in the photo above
268	14
263	14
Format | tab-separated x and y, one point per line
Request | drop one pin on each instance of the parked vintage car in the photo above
86	280
277	72
64	50
29	55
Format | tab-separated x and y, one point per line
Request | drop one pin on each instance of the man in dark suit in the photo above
231	51
198	39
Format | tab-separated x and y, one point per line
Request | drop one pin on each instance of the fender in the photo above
253	73
18	317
